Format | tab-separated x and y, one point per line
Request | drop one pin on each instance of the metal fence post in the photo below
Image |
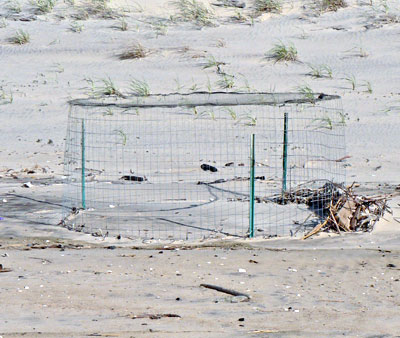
285	144
83	163
252	165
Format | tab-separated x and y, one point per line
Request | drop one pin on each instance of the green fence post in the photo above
252	165
83	161
285	144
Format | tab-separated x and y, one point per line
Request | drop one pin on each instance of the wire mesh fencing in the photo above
202	165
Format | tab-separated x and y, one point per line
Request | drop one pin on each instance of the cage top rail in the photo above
196	99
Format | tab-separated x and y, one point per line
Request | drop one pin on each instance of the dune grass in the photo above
139	88
14	6
193	11
136	51
21	37
123	25
212	62
283	52
226	82
332	5
368	85
76	27
306	91
267	6
109	88
3	23
320	71
352	80
159	28
99	8
44	6
4	97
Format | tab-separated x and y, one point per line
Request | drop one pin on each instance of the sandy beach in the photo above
61	283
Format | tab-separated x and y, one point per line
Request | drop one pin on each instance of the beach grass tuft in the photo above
283	52
320	71
123	25
136	51
14	6
140	88
193	11
109	88
332	5
21	37
267	6
306	91
44	6
352	80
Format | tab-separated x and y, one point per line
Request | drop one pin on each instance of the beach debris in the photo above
207	167
2	269
155	316
230	3
27	185
228	291
290	309
345	210
242	270
235	179
318	198
134	178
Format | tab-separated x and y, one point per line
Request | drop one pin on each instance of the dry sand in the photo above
327	286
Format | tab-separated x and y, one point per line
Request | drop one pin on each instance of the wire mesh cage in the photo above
202	165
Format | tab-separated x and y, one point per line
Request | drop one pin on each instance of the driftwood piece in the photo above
224	290
4	269
345	214
351	212
155	316
316	229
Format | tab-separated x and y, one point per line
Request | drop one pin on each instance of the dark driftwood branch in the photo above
4	269
228	291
